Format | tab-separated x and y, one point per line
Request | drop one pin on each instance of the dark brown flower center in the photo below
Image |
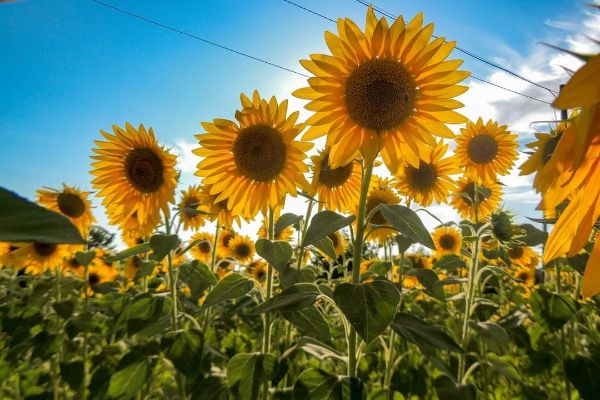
259	152
380	94
191	204
423	178
376	218
447	241
93	279
73	263
549	148
334	177
523	275
144	170
204	247
259	274
515	253
44	249
70	204
482	149
242	250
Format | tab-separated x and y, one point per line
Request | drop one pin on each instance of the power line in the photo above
471	54
510	90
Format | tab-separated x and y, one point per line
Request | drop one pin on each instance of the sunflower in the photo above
258	270
339	242
132	238
7	255
254	163
241	248
72	203
525	275
224	268
420	260
99	272
217	210
190	216
223	243
380	192
135	176
203	250
132	267
336	188
485	150
285	234
447	240
430	180
389	86
37	257
542	150
488	198
523	256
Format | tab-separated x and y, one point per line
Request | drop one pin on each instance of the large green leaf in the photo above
325	246
132	373
316	384
429	280
583	374
184	349
210	388
132	251
72	373
148	314
277	253
407	222
161	245
323	224
495	334
246	372
310	322
552	309
293	298
422	333
231	287
24	221
533	236
369	307
447	390
197	276
286	220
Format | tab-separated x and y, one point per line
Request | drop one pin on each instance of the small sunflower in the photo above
430	180
37	258
223	243
217	210
99	272
486	150
523	256
132	267
190	205
389	86
420	260
542	150
447	240
381	192
72	203
203	250
488	198
7	254
339	242
258	269
525	275
337	189
254	163
135	176
241	248
224	268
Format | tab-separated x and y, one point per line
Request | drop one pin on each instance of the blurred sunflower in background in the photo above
337	189
381	192
429	181
203	250
390	87
489	195
217	210
286	233
486	150
37	257
224	268
135	176
523	256
258	270
241	248
223	242
99	272
339	242
255	162
72	203
7	254
447	240
190	216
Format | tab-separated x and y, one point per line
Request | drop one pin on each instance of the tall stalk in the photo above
267	317
303	234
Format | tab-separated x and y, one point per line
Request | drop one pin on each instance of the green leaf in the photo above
552	309
277	253
210	388
403	243
323	224
316	384
533	236
369	307
64	308
147	314
286	220
492	332
320	350
429	280
184	349
246	372
72	373
293	298
407	222
132	373
325	246
132	251
24	221
198	277
448	390
290	275
231	287
85	257
161	245
450	263
583	373
422	333
311	322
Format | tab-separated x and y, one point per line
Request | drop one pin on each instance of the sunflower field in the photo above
349	298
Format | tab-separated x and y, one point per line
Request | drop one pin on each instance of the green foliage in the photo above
246	372
277	253
320	385
408	223
231	287
323	224
424	334
552	309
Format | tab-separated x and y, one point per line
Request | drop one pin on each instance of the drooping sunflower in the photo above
258	270
241	248
190	216
203	250
381	192
542	150
135	176
72	203
488	198
256	162
486	150
389	86
337	189
217	210
223	242
430	180
447	240
37	258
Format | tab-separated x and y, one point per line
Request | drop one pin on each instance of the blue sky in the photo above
71	68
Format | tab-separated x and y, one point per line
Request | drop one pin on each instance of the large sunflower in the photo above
37	258
447	240
381	192
485	150
390	85
203	250
189	205
72	203
337	189
430	180
242	249
488	198
254	163
134	175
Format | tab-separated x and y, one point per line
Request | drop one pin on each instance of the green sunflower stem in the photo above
304	228
83	388
267	317
357	255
